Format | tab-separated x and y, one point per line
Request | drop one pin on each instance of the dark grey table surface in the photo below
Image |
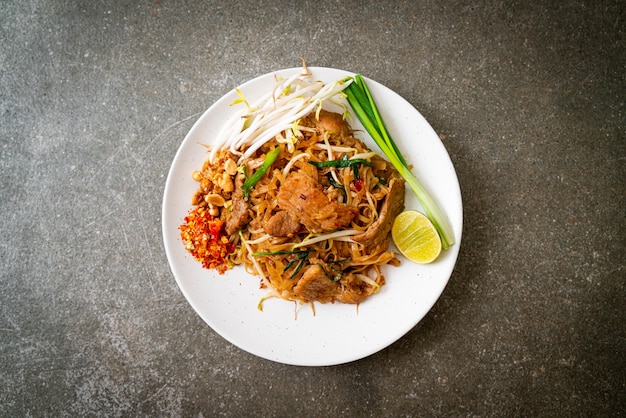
527	97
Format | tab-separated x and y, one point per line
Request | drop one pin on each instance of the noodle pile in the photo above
315	227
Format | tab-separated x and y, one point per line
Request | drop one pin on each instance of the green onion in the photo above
300	257
364	107
336	185
251	181
330	276
344	162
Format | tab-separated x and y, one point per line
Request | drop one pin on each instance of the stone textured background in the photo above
528	98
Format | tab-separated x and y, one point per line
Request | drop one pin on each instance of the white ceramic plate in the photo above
335	333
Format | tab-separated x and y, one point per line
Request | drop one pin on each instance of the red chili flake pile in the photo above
204	238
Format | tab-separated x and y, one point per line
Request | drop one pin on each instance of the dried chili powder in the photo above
204	238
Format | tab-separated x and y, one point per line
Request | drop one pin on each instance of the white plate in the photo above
335	333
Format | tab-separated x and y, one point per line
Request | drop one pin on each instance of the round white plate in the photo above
331	333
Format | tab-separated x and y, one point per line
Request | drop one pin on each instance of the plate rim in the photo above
198	309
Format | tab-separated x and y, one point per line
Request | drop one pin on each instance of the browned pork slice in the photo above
282	224
239	216
304	198
378	233
314	285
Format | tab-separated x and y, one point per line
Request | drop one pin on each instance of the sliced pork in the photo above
304	198
282	224
239	216
378	233
314	285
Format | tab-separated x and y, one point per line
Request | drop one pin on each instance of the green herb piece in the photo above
330	276
299	255
380	180
355	170
342	163
365	108
333	183
251	181
300	258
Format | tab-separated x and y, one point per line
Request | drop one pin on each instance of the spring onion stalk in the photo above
362	102
251	181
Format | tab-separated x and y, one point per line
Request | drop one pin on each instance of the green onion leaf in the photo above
251	181
330	276
300	258
363	105
336	185
380	180
298	268
341	163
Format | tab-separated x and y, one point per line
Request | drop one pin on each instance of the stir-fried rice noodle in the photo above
315	227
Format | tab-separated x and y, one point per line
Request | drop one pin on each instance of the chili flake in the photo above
203	236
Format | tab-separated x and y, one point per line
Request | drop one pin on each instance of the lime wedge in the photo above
416	237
